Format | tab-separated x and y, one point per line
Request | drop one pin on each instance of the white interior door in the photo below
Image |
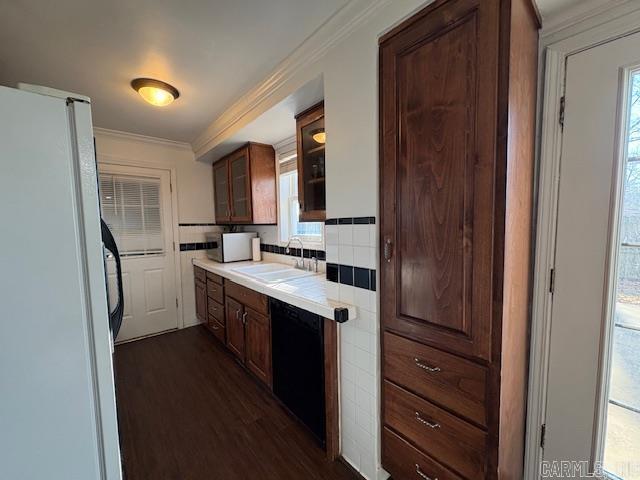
136	204
593	395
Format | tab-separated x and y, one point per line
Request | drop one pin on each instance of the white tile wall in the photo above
359	350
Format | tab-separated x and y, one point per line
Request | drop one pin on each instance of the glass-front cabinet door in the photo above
221	191
311	140
240	186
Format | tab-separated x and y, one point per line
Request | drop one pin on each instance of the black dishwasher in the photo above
298	364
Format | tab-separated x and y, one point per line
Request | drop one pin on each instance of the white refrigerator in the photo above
57	397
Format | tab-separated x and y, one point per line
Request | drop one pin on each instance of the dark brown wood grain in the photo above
216	310
215	291
303	119
258	345
454	442
331	389
201	301
200	274
263	184
214	278
257	301
217	329
188	410
222	207
254	165
403	461
453	383
235	328
456	179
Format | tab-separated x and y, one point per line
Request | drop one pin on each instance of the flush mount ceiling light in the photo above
319	135
155	92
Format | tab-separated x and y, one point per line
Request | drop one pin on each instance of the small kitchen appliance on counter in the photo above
230	247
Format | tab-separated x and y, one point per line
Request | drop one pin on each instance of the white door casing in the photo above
586	31
149	279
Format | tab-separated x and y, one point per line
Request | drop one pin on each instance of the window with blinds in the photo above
131	207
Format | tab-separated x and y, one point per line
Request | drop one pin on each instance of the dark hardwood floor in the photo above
188	411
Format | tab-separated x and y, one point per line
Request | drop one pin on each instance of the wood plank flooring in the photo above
188	411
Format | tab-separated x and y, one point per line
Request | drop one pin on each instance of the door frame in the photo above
585	30
114	160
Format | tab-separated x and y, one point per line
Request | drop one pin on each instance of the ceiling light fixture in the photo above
155	92
319	136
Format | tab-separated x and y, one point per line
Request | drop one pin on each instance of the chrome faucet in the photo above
299	262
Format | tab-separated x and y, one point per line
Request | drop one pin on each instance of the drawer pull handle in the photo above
421	365
426	422
422	475
214	326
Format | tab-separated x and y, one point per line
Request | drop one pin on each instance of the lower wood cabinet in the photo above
201	295
249	331
235	327
258	345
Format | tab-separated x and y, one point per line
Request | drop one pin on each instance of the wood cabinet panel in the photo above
255	300
235	327
217	328
215	291
432	111
245	186
311	164
215	278
221	190
445	379
441	435
216	310
403	461
200	274
258	345
201	301
457	117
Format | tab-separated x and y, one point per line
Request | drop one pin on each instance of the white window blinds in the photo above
131	207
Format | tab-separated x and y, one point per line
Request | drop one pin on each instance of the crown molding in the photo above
583	16
342	23
117	134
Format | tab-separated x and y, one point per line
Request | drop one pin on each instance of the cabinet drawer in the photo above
443	436
215	278
200	274
215	291
248	297
216	310
403	461
216	328
455	383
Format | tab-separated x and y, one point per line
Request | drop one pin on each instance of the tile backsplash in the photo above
351	252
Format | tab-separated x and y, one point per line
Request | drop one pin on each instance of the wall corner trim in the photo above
117	134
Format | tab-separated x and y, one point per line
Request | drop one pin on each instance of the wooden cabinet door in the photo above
221	191
201	301
310	136
438	117
235	327
258	351
240	183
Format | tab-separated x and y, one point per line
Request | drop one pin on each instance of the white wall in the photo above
194	191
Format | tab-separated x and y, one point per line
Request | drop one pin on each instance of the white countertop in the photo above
308	293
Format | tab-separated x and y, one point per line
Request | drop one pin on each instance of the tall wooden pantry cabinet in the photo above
457	121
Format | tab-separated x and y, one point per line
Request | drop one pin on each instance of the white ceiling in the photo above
211	50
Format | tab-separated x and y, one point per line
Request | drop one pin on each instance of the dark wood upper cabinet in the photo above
311	139
221	191
245	186
457	116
